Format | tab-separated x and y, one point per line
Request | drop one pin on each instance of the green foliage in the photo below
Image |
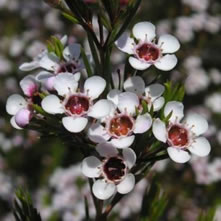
86	207
124	20
86	63
209	215
173	92
70	18
23	208
154	203
80	9
55	46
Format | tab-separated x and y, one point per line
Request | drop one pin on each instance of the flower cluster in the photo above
122	124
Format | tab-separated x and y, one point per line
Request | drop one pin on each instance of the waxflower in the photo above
150	94
146	51
121	124
21	108
111	169
183	137
77	104
54	65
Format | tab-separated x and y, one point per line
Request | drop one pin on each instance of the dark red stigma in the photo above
77	104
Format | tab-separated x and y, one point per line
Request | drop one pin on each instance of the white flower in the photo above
121	124
196	81
113	171
214	169
144	49
150	94
183	137
213	101
19	107
53	65
78	106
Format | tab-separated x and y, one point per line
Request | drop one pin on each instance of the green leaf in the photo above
86	63
23	208
127	17
209	215
55	46
80	9
144	106
173	92
39	109
70	18
154	203
86	206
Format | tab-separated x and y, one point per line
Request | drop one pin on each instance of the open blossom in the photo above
120	125
53	65
144	49
112	171
150	94
77	105
183	137
21	108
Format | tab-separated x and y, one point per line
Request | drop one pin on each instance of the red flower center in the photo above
148	52
121	126
114	169
77	104
68	67
178	136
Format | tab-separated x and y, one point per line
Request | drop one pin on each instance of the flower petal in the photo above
49	62
127	184
158	103
90	167
94	86
29	85
124	142
106	150
65	83
167	62
74	125
159	130
125	43
49	83
22	117
137	64
144	31
43	75
168	43
64	39
143	123
77	76
14	103
100	109
113	96
154	91
200	147
178	155
97	133
13	123
128	102
197	123
129	157
103	190
29	66
72	51
52	105
177	111
135	84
